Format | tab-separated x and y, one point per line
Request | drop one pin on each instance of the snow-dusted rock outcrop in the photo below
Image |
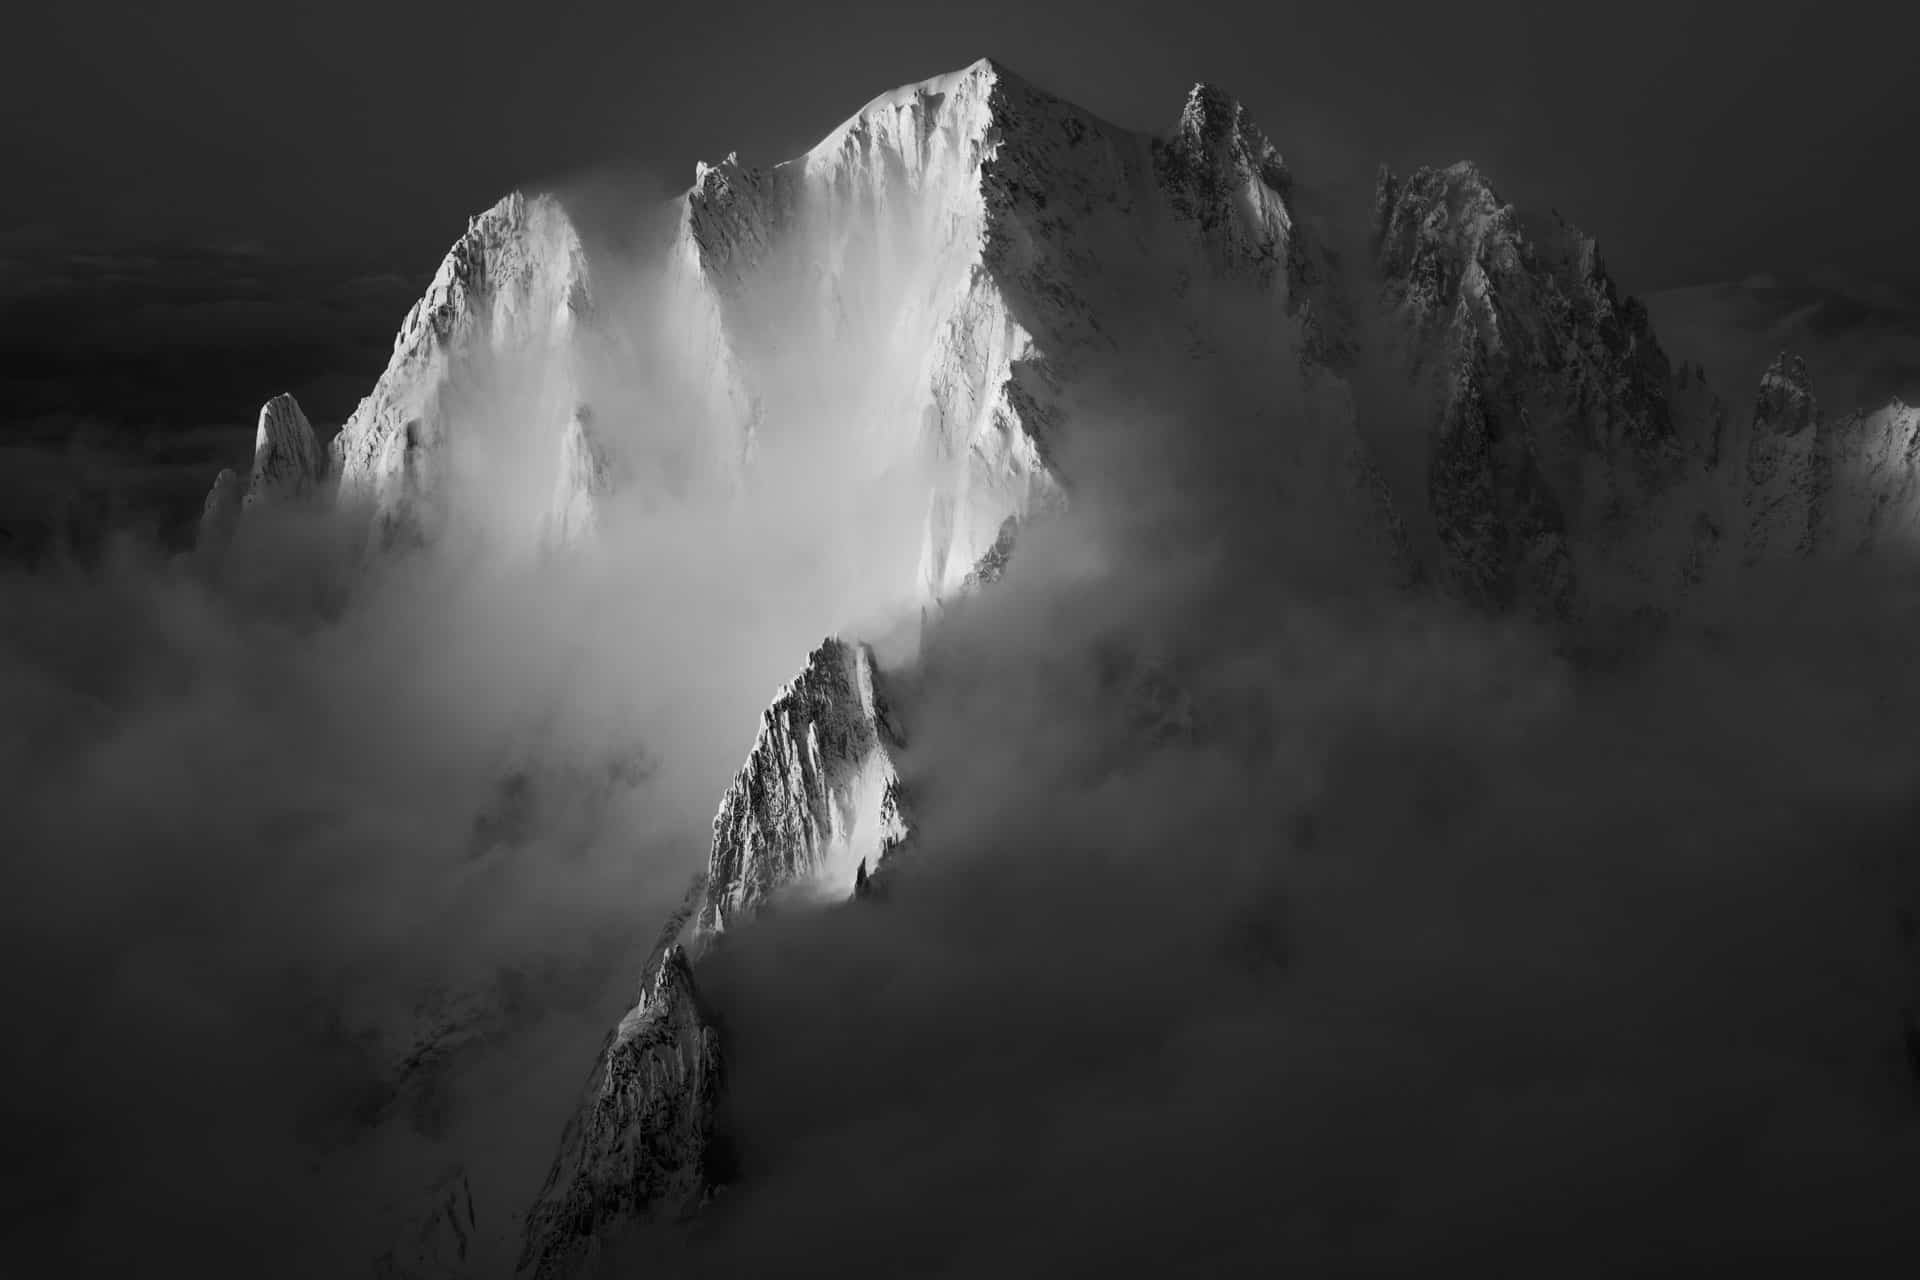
288	466
287	462
819	794
1571	467
1810	484
1868	495
1553	431
817	805
642	1146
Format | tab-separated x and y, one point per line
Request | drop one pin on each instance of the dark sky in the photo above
209	202
1700	141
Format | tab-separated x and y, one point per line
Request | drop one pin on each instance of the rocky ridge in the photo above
818	801
644	1141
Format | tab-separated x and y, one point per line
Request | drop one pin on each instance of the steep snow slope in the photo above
816	805
1570	467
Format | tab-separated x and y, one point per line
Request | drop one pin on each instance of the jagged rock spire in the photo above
1219	142
288	465
1222	173
818	793
287	462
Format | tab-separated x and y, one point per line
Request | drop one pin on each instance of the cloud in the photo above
281	829
1261	914
1256	924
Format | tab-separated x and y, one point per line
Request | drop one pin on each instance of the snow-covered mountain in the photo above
950	290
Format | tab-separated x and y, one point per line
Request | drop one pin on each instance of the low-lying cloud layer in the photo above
328	872
1256	924
1260	914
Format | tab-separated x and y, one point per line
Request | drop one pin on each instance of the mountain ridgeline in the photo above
1469	406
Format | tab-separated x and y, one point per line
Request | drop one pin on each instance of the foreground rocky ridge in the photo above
644	1143
818	801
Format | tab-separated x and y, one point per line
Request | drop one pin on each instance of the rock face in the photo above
288	466
642	1146
287	462
499	314
818	795
1550	407
816	805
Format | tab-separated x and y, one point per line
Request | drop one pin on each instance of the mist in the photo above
330	870
1263	915
1260	910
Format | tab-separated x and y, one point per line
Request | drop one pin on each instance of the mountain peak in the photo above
287	462
673	980
818	793
1216	131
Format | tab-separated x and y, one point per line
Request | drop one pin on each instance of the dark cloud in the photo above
241	876
326	872
1263	917
1424	951
1260	915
